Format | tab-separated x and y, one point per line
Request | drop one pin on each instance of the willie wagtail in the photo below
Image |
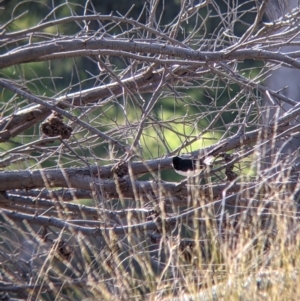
192	167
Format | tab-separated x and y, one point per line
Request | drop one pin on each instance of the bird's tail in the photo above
208	160
209	157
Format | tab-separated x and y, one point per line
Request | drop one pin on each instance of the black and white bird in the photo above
193	167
